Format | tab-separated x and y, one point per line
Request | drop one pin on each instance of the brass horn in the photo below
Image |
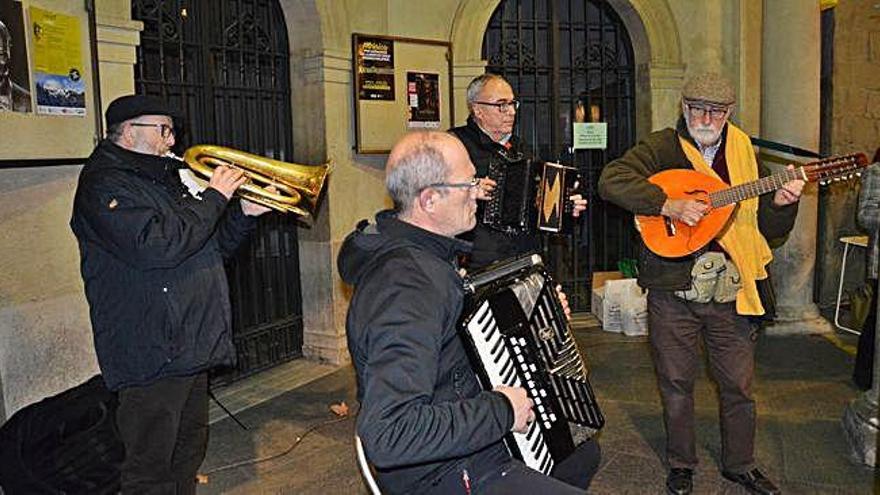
298	186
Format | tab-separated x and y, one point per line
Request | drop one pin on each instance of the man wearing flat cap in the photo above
718	293
152	263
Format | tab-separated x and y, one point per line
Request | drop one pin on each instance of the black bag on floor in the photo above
63	444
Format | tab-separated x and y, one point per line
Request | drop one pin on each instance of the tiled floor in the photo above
802	386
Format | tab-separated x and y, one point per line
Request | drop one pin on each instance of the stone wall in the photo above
855	127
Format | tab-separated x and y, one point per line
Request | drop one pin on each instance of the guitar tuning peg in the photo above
823	182
858	174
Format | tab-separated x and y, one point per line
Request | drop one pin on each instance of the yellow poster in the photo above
58	63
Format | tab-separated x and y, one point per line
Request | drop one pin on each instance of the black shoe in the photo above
680	481
754	481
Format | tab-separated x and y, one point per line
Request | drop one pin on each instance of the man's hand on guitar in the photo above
688	211
790	192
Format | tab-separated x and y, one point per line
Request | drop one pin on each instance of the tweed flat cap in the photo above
131	106
709	87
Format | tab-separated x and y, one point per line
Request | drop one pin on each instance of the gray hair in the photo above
476	86
114	132
413	171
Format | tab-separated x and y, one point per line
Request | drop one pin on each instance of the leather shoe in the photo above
680	481
754	481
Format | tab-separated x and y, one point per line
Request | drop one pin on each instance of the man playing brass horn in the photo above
152	262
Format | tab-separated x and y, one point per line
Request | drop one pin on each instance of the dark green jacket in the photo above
624	182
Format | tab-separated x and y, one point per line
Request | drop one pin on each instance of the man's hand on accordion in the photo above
563	300
486	187
579	204
523	414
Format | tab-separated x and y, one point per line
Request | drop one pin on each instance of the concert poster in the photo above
375	65
423	96
58	63
15	84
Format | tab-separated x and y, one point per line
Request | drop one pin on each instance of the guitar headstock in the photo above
834	169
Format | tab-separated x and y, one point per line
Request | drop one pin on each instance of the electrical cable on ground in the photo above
283	453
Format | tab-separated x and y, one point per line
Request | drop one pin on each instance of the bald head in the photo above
418	160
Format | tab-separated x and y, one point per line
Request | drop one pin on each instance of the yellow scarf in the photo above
740	238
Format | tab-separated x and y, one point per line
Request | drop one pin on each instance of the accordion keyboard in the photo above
502	367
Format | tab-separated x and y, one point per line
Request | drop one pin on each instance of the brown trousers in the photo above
729	339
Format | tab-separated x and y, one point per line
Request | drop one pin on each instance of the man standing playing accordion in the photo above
425	424
488	137
679	310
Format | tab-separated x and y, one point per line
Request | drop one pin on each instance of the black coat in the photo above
152	263
422	412
490	245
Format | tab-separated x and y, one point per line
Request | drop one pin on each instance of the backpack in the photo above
63	444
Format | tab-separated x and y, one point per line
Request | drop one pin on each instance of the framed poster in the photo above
51	41
423	98
375	63
400	85
15	85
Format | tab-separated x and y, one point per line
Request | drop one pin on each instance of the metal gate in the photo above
225	64
568	61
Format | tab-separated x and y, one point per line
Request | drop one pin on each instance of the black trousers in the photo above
571	476
675	327
863	371
164	427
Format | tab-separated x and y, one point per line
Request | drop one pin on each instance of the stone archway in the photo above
656	45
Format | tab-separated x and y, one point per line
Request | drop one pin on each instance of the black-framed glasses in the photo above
457	185
502	106
699	111
165	130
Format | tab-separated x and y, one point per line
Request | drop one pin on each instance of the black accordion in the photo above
516	334
530	196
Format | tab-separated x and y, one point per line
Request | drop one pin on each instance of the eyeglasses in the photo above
715	113
460	185
502	106
165	130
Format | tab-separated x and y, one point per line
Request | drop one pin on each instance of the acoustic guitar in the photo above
672	238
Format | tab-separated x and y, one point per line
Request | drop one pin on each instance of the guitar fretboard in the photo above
752	189
822	171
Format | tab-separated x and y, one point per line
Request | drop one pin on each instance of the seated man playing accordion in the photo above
425	423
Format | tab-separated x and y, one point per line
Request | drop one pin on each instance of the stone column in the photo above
790	114
860	418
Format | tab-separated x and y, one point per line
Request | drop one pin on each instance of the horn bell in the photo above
298	186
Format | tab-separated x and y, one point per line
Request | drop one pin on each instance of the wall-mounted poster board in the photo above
52	118
400	85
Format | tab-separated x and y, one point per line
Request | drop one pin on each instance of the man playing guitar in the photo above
714	291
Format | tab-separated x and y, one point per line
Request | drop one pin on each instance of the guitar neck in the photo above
754	188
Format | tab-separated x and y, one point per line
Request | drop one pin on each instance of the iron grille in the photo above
560	56
225	63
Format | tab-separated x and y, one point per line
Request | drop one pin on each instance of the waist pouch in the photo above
713	278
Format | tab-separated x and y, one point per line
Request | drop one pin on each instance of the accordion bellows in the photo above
530	196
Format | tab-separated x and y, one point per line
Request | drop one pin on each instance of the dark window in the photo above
571	59
225	63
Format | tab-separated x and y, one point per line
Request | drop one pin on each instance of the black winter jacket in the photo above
152	263
490	245
422	412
